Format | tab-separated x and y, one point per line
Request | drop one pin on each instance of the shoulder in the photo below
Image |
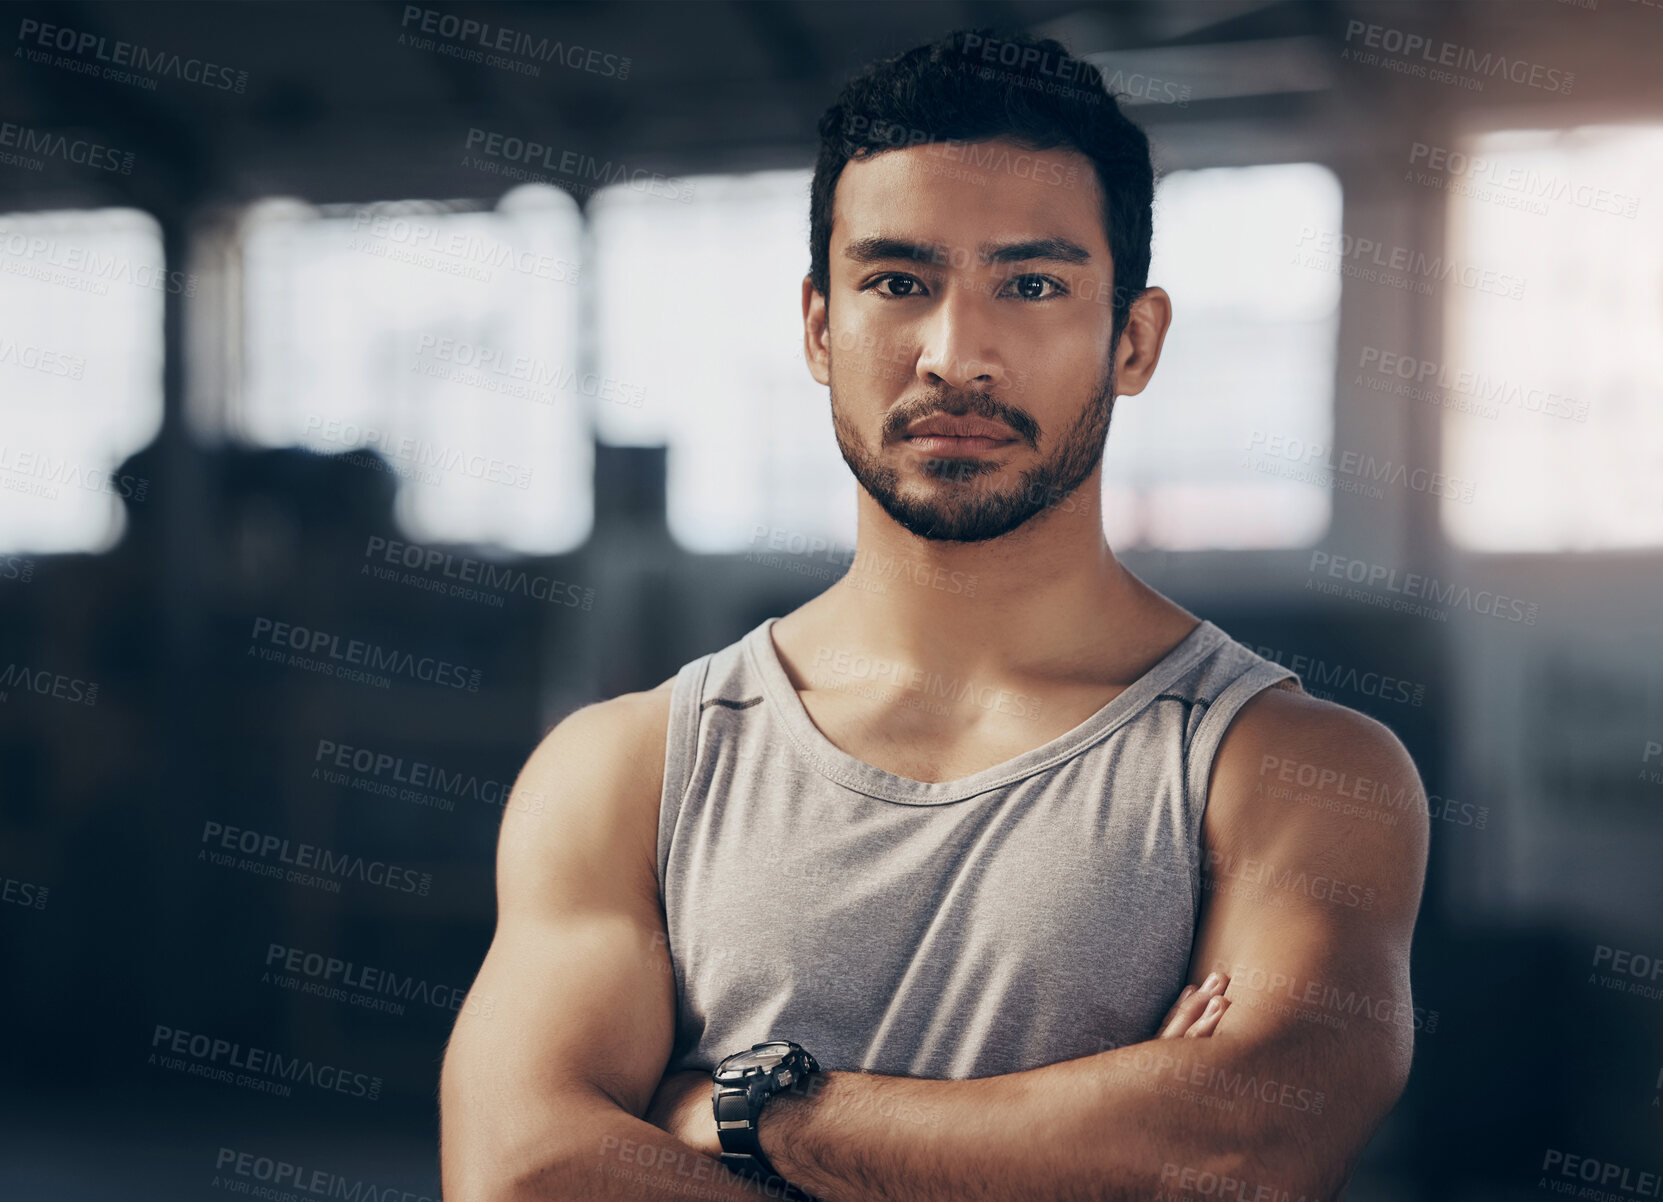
613	745
611	734
593	783
1281	729
1310	778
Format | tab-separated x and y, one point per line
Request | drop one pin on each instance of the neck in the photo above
1047	593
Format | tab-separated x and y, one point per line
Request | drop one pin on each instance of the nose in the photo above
958	345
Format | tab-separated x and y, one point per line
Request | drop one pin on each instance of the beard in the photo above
960	510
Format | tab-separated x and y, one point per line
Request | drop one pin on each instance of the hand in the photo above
1196	1013
681	1106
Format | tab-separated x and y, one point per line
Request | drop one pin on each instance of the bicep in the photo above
1310	896
574	1004
565	1016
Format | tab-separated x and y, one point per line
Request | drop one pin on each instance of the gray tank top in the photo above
1039	910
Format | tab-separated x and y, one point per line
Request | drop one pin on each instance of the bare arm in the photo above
542	1094
1310	905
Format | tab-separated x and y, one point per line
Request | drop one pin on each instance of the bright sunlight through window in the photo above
698	304
1560	420
81	300
1250	352
444	342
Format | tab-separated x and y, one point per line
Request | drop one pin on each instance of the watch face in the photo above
757	1058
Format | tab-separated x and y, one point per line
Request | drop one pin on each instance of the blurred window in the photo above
698	302
81	301
1249	358
1554	398
444	340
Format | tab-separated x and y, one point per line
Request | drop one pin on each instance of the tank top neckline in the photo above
837	765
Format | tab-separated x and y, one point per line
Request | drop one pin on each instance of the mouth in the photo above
944	435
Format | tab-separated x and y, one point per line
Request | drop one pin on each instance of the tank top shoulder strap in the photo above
681	751
723	678
1217	687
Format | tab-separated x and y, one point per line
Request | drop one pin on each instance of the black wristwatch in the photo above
740	1087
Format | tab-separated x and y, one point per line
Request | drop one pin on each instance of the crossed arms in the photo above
1315	838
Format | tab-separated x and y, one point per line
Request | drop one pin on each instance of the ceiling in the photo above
339	105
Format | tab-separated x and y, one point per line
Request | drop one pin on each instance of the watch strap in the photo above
745	1165
754	1169
738	1109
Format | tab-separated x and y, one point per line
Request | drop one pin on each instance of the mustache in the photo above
959	404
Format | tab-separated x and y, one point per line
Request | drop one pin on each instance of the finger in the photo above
1186	1011
1173	1014
1191	1003
1208	1022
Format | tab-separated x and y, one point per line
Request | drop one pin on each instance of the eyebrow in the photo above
880	248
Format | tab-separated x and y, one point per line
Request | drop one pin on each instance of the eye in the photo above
1028	287
911	286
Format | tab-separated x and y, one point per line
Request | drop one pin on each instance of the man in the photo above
987	857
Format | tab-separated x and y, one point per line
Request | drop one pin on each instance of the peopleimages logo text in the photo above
368	655
1348	247
372	765
1511	176
35	250
1466	382
1424	588
130	54
364	984
219	1056
28	140
286	1175
486	36
1463	58
312	856
573	163
504	578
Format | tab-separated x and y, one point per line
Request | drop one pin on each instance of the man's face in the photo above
967	334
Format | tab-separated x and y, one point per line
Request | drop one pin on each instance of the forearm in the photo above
1125	1124
608	1153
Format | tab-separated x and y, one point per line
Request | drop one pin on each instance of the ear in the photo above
816	335
1140	342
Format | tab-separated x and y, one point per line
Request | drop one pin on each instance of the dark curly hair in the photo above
975	85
